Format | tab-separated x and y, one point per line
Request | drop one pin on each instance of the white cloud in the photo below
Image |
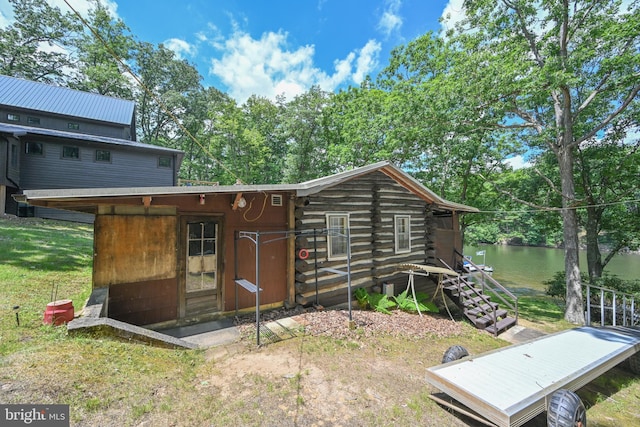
517	162
452	14
367	61
390	20
268	67
180	47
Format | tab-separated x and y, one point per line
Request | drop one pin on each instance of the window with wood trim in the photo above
337	242
402	233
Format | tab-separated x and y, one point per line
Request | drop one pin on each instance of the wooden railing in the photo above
490	285
615	307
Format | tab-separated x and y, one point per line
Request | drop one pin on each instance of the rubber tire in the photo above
634	363
455	352
566	410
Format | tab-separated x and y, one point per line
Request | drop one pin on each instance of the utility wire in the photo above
554	209
153	95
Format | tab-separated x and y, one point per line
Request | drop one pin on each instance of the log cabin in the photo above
178	255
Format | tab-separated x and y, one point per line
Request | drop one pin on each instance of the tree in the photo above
607	175
556	75
304	130
34	46
166	84
100	51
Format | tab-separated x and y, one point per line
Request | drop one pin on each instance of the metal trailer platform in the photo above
512	385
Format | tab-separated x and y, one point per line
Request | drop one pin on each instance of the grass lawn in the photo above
305	381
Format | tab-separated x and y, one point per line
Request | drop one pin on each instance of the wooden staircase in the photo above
473	294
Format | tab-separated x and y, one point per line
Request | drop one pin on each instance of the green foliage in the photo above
405	302
36	24
381	303
556	286
362	296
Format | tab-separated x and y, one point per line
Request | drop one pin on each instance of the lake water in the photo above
521	267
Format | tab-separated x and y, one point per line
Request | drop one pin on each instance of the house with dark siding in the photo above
54	137
174	255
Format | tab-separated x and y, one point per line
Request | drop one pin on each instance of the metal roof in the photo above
37	96
301	190
19	130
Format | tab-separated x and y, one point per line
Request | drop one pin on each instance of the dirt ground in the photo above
338	376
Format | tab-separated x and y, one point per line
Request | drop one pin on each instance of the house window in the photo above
164	162
403	233
73	126
103	156
337	243
33	148
69	152
14	156
33	120
13	117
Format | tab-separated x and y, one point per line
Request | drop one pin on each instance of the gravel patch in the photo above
335	323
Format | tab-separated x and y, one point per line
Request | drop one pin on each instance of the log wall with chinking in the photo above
372	201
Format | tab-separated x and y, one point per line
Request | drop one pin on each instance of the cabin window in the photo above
103	156
34	148
13	117
403	233
337	225
33	120
69	152
164	162
14	155
73	126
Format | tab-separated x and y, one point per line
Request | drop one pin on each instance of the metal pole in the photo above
315	261
614	309
258	288
601	307
588	305
235	265
349	272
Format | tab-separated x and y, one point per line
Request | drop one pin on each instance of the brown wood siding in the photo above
258	215
371	201
145	302
134	248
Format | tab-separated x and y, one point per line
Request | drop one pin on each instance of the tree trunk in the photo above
594	257
574	311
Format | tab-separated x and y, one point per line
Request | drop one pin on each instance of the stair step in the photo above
454	280
487	320
481	310
501	326
468	293
477	301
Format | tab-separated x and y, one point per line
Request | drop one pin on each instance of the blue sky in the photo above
274	47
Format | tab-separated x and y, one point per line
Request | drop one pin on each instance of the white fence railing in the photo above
612	307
